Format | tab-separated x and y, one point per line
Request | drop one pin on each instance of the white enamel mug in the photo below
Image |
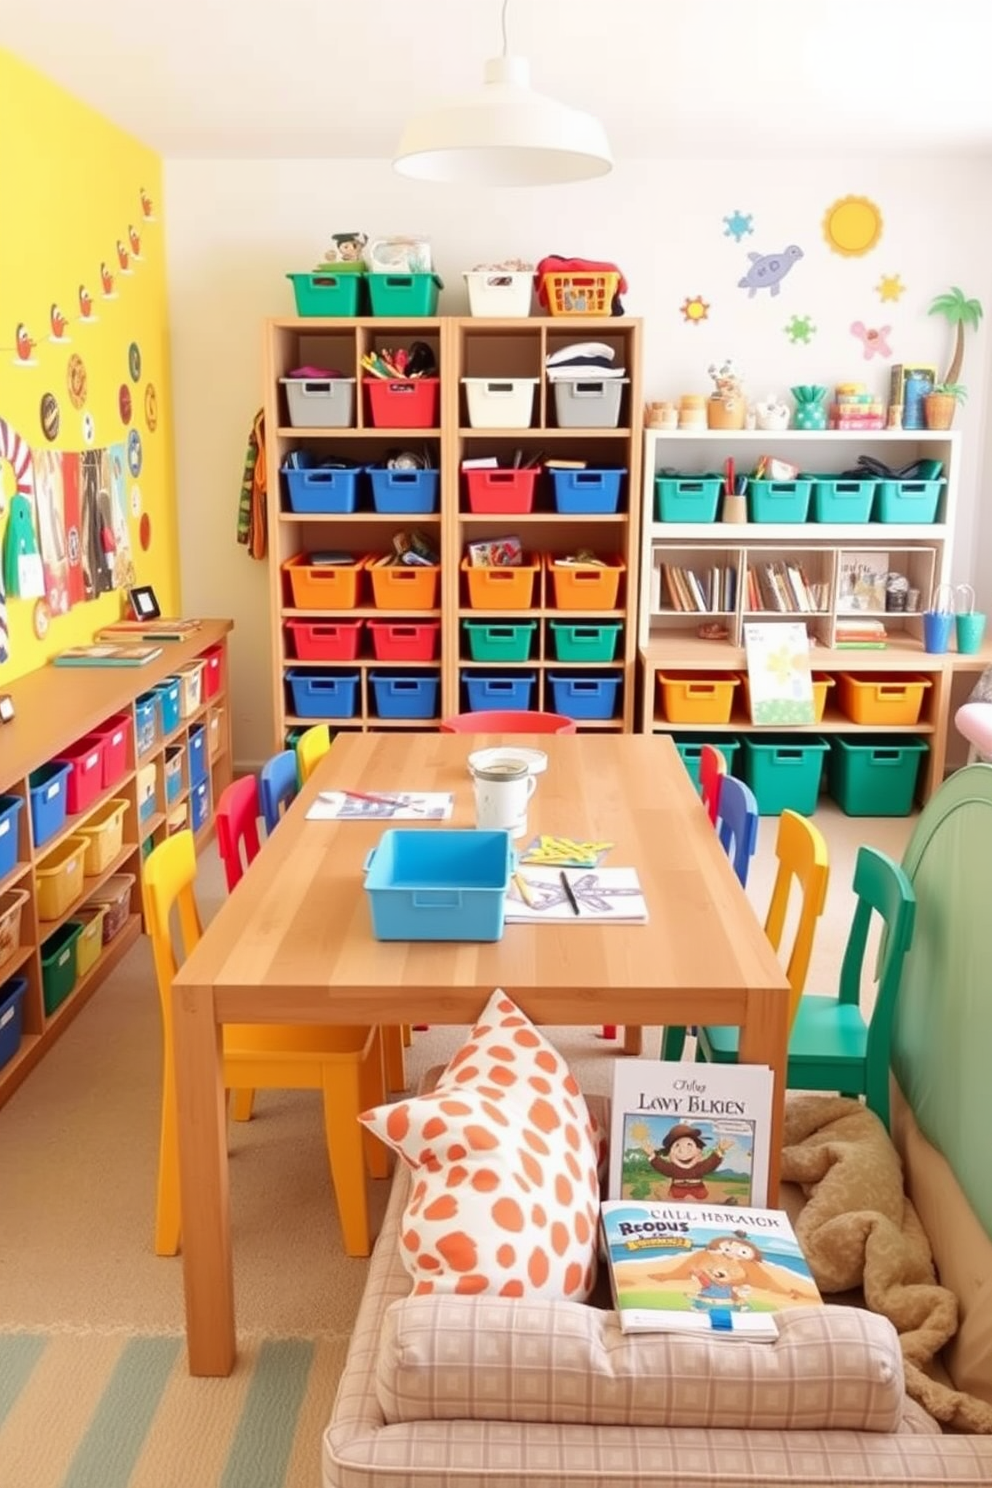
502	790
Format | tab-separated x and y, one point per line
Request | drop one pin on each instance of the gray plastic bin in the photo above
587	404
320	402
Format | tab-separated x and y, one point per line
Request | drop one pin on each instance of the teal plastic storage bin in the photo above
907	501
438	885
327	293
690	747
584	642
687	498
779	501
874	775
784	771
58	965
839	500
404	294
490	641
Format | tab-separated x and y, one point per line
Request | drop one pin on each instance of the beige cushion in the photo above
499	1359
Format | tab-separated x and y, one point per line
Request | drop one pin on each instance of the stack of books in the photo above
784	588
860	633
703	591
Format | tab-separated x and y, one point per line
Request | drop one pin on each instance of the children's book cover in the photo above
108	655
690	1133
780	680
689	1268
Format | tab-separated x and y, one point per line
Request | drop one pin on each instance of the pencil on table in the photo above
569	892
522	890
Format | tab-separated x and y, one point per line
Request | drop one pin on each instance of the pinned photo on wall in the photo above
738	225
852	225
769	269
73	522
694	309
49	503
123	562
96	526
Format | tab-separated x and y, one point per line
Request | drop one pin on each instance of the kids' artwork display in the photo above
780	679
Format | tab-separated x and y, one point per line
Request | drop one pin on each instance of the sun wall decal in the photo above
695	309
890	287
852	226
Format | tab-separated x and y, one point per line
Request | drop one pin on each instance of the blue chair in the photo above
737	824
277	786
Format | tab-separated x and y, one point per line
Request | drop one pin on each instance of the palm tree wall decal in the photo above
958	312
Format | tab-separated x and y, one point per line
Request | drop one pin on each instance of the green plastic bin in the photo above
836	499
687	498
584	642
784	771
404	294
690	747
58	965
489	641
875	775
779	501
326	292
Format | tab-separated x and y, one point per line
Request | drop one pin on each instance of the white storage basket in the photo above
505	296
500	403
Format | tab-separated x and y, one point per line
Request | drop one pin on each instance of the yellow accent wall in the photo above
82	277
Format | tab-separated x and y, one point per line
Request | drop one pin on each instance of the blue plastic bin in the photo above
199	804
405	491
323	694
9	807
405	696
146	708
196	755
907	501
584	697
48	791
487	692
11	996
169	710
582	492
321	490
688	498
433	884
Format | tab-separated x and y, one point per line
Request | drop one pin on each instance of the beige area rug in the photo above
93	1386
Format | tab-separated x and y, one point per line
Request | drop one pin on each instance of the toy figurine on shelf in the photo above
727	406
771	413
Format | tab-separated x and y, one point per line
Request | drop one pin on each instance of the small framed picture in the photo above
144	605
6	707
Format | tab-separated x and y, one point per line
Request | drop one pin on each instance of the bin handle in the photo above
436	898
499	389
368	859
494	686
892	689
402	477
795	755
403	684
700	689
325	281
885	756
587	477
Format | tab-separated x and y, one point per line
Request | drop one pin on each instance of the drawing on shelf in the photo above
861	582
780	681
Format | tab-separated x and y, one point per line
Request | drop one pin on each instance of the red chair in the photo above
496	721
237	827
712	768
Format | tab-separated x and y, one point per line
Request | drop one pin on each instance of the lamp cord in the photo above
503	26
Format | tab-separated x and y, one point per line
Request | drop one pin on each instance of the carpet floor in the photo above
93	1385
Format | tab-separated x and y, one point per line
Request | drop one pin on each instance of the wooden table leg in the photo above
203	1183
764	1039
633	1040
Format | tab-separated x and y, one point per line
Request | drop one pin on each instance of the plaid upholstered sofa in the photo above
490	1411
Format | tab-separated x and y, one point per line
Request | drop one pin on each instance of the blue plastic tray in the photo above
323	694
431	884
199	804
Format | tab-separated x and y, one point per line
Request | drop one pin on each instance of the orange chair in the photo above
712	768
497	721
344	1063
238	809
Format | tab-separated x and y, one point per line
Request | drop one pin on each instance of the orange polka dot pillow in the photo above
504	1197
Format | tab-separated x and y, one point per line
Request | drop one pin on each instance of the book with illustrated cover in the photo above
575	896
690	1133
780	679
125	654
686	1268
861	576
148	630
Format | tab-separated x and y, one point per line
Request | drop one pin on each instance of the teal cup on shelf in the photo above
970	632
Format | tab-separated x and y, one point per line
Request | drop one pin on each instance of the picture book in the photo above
690	1133
861	576
780	681
148	630
345	805
541	896
686	1268
107	655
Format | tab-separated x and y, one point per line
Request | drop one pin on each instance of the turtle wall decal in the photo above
769	269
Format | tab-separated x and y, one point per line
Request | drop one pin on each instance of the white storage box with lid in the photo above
585	403
190	680
500	402
320	402
499	293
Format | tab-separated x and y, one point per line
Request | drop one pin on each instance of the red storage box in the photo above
408	404
115	734
402	586
85	780
318	640
323	586
500	490
211	671
393	642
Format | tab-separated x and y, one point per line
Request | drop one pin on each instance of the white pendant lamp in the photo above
504	134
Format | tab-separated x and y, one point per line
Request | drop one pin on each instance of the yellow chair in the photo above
345	1063
802	859
310	748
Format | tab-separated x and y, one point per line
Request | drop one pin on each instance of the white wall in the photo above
235	228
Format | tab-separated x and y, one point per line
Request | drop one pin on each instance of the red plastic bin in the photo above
85	780
211	659
318	640
411	403
115	733
501	490
402	642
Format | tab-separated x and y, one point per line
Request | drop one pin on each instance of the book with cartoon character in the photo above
690	1133
690	1268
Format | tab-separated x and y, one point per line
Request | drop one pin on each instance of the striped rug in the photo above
114	1410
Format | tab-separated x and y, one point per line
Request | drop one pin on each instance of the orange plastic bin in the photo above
323	586
502	588
402	586
690	698
881	697
585	586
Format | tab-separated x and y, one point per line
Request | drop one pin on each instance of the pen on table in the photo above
522	890
354	795
569	892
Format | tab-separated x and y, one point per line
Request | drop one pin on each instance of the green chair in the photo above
831	1047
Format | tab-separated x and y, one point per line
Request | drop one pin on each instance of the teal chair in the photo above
831	1047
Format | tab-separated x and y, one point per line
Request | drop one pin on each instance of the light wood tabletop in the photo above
294	944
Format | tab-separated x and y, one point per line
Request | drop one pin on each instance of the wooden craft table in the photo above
293	944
